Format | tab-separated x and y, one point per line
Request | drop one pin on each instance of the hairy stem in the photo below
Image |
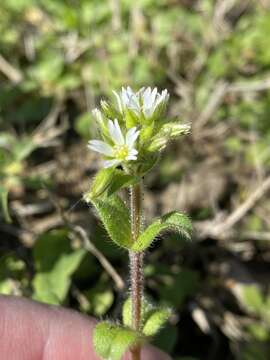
136	265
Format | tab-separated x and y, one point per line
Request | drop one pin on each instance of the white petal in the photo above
158	101
115	132
153	96
125	95
133	152
101	147
132	136
110	163
163	98
131	157
130	91
119	103
147	97
140	92
132	100
133	103
148	112
149	101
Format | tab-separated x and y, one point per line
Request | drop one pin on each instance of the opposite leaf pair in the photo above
110	206
111	341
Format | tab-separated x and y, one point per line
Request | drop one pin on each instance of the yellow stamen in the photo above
121	152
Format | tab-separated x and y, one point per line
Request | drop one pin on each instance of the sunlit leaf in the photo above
109	209
112	341
156	320
171	221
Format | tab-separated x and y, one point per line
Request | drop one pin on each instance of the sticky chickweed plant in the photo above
133	131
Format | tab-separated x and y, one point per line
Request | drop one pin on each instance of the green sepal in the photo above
112	341
109	111
131	118
156	320
168	132
173	220
146	162
115	217
107	182
146	134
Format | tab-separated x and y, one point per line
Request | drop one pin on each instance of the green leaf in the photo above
112	341
55	262
107	182
4	203
115	217
99	299
152	317
83	125
173	220
156	320
100	184
253	298
104	334
124	339
127	311
258	331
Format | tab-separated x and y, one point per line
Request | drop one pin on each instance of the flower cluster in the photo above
134	131
144	102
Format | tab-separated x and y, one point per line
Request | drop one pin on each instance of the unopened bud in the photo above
174	129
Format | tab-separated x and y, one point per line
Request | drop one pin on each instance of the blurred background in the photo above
57	59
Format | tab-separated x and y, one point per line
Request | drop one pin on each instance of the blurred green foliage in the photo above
55	261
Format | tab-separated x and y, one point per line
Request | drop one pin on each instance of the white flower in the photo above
144	101
123	147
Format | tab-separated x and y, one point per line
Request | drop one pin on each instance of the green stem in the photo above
136	265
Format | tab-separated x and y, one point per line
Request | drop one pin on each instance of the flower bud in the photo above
176	129
109	110
168	132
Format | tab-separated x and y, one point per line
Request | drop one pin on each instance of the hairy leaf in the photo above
156	319
112	341
152	317
127	311
100	184
104	334
173	220
115	217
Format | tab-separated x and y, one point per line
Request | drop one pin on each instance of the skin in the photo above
33	331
